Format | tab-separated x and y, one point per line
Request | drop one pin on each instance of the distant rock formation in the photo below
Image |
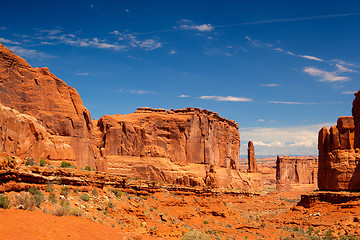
252	165
298	173
339	152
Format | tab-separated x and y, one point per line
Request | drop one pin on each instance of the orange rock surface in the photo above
296	173
339	153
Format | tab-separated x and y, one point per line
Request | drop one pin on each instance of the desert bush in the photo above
30	161
4	201
111	205
52	198
85	197
117	193
42	162
65	164
87	168
95	192
25	201
195	235
206	222
49	188
65	191
37	195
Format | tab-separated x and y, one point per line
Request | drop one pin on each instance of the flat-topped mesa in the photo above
252	165
187	111
296	173
339	153
57	106
184	136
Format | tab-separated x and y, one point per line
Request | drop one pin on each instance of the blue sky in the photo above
281	69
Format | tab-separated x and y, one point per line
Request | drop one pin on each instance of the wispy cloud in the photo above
30	53
269	85
184	96
311	58
227	99
348	92
3	40
292	103
324	75
260	120
300	140
172	52
190	25
82	74
134	91
132	41
3	28
284	51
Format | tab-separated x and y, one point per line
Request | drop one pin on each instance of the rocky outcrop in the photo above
298	173
339	153
184	136
56	106
252	165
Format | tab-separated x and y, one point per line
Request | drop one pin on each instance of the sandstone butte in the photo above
42	117
339	152
253	168
296	173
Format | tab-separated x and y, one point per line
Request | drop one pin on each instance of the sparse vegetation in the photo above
4	201
85	197
37	195
30	161
95	192
65	164
52	198
65	191
87	168
42	162
195	235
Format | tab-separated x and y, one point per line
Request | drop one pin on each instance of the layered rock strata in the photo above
55	105
298	173
339	153
252	165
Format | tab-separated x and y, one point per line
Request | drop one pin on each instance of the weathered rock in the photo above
339	153
56	106
253	168
298	173
183	136
211	178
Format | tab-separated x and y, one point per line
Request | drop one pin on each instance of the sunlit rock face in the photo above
339	153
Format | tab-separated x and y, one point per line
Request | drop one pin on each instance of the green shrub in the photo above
117	193
30	161
195	235
65	191
52	198
4	201
85	197
206	222
42	162
25	201
95	192
65	164
328	235
111	205
49	188
37	195
87	168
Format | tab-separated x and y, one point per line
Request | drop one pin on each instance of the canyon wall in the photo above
55	105
339	153
299	173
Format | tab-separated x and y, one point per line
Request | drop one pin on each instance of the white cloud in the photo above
30	53
132	41
292	103
184	96
282	50
227	99
341	68
190	25
3	40
172	52
82	74
260	120
270	85
348	92
311	58
324	75
3	28
126	10
295	140
134	91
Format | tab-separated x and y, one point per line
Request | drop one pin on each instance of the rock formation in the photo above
56	106
298	173
42	117
211	178
339	152
253	168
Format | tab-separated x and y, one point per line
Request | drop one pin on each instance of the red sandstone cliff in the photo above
339	153
296	173
56	106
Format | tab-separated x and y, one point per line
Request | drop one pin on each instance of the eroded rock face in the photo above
298	173
184	136
339	153
56	106
253	168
